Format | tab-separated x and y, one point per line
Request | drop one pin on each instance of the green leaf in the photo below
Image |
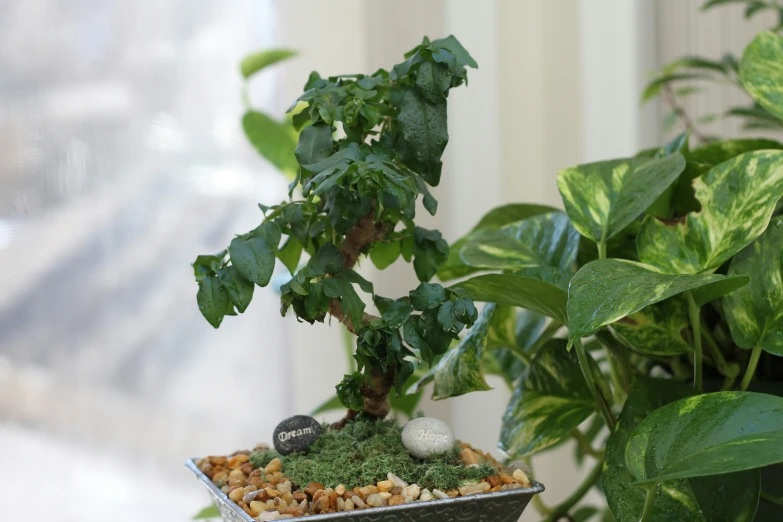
551	399
434	79
523	292
423	134
737	198
455	47
607	290
383	254
396	314
315	144
709	434
427	296
694	500
543	240
352	304
454	266
719	151
212	299
715	3
460	370
254	259
658	329
761	73
603	198
430	251
755	312
253	63
290	254
274	140
239	289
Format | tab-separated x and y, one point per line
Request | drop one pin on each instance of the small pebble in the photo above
439	494
375	500
268	515
397	481
385	485
521	477
385	495
426	495
358	502
349	505
396	500
340	490
426	436
469	457
473	489
412	491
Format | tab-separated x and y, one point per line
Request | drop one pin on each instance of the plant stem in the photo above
649	501
585	444
750	372
778	501
602	249
587	371
671	101
695	317
561	510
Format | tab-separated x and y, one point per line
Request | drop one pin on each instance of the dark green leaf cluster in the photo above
368	147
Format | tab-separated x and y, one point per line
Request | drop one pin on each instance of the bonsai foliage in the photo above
636	321
368	147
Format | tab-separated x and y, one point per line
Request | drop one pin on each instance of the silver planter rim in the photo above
496	507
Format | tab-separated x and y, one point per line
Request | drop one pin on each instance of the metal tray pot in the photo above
504	506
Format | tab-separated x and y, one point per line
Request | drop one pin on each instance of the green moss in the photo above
366	450
259	459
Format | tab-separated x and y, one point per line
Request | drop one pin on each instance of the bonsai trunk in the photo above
376	392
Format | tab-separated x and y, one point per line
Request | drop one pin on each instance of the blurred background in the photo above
122	157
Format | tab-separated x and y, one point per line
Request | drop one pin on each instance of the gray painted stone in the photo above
296	433
426	436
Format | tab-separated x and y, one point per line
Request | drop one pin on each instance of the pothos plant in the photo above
637	321
369	147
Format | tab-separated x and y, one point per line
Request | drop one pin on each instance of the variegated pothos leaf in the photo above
543	240
737	199
603	198
551	399
761	70
657	329
755	312
607	290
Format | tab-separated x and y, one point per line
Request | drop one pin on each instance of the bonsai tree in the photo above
368	147
637	321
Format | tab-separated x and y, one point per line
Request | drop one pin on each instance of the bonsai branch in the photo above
376	392
671	100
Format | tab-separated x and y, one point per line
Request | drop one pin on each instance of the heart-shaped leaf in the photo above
551	399
255	62
705	435
603	198
460	370
683	500
315	144
657	329
239	289
254	259
607	290
737	198
274	140
523	292
543	240
755	312
761	72
213	300
495	218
